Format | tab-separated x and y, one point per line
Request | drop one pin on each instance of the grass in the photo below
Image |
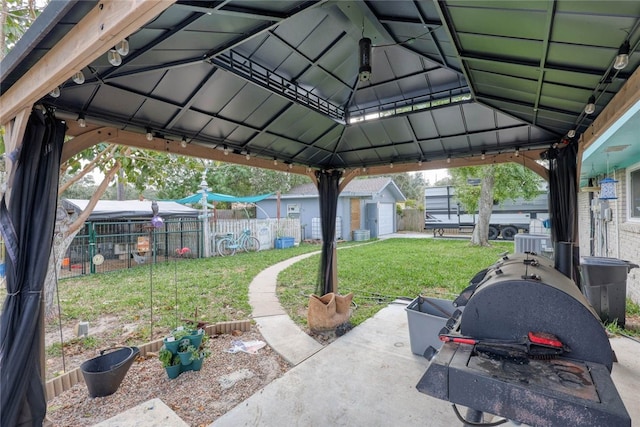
214	288
381	272
217	288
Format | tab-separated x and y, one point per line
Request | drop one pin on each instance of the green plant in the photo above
184	345
179	334
195	353
165	357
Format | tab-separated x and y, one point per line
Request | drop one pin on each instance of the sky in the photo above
434	175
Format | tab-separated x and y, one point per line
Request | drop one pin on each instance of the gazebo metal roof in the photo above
279	80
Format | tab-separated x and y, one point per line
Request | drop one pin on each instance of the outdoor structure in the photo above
117	210
364	205
330	89
119	232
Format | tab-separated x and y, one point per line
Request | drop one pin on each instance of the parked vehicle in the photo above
444	212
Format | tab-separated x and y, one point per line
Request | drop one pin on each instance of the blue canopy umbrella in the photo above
216	197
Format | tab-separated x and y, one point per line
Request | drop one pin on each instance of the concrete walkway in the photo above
277	328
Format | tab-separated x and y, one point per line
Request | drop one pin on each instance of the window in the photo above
633	180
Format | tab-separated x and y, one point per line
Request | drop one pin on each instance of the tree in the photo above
498	183
16	17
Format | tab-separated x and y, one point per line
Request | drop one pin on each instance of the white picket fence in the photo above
266	230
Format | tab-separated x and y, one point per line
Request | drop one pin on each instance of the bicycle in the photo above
245	241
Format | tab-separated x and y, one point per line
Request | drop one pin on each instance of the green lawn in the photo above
217	288
380	272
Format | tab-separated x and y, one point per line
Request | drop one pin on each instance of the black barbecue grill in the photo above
526	346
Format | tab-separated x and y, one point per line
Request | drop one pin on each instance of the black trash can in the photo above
604	284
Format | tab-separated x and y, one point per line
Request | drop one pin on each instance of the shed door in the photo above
385	220
355	214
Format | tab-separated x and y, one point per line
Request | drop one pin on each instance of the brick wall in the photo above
620	238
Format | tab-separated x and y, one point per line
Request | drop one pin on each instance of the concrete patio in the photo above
367	377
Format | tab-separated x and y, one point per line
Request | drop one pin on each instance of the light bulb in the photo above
275	162
149	135
622	59
517	152
290	165
483	156
247	156
81	121
55	92
391	165
590	108
364	169
419	162
78	78
183	143
571	133
225	150
123	47
449	159
114	58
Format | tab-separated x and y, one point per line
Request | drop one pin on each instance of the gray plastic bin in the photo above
604	284
426	317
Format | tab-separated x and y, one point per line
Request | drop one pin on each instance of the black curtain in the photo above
563	212
328	189
27	225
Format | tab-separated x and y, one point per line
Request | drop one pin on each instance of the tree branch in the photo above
84	215
110	150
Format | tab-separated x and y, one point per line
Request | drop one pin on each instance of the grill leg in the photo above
473	416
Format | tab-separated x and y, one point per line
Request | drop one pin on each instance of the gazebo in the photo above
330	89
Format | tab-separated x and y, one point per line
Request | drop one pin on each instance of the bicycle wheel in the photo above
251	244
226	247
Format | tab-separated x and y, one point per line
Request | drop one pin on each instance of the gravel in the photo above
226	379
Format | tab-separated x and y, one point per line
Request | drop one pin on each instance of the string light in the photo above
448	159
149	135
114	57
590	108
81	121
183	143
225	150
123	47
622	59
517	151
483	156
55	93
78	77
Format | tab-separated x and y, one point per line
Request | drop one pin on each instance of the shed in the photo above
365	204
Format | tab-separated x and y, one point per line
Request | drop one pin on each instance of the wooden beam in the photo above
93	136
348	176
14	134
101	29
626	97
87	139
526	158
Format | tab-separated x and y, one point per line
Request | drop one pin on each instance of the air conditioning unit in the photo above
539	243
